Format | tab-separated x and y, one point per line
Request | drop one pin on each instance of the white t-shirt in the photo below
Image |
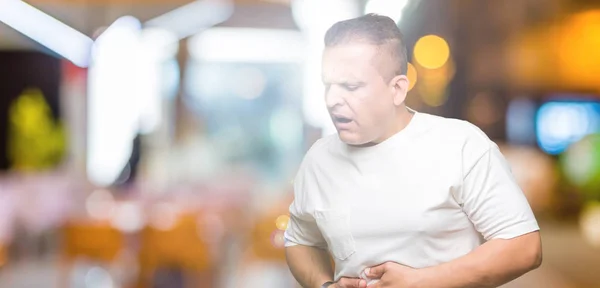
427	195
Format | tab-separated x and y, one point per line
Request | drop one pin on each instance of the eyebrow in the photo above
345	82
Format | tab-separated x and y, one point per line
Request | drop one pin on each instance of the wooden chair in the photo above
266	238
265	245
180	246
3	256
91	240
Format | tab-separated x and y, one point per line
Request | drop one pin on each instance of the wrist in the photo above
420	277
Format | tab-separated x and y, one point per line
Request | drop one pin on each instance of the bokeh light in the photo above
277	239
285	128
411	74
520	121
431	51
282	222
128	217
100	205
433	83
482	110
561	123
164	216
566	45
590	224
535	173
581	165
433	96
577	50
98	277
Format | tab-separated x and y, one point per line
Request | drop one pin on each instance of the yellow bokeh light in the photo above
431	51
589	223
411	74
577	49
433	83
282	222
568	46
433	96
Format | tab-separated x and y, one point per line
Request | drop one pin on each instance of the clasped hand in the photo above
389	274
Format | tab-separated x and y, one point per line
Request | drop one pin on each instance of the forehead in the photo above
347	62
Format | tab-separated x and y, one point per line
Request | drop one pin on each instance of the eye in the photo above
350	87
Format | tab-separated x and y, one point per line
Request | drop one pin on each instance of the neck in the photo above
402	119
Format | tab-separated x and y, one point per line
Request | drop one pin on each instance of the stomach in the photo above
415	251
416	240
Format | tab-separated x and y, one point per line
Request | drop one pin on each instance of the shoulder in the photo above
461	133
460	140
320	157
305	183
322	149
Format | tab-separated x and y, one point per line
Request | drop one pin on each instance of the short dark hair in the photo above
373	29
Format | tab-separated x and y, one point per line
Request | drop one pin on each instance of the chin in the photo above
351	138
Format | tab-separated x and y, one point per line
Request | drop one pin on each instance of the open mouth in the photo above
342	120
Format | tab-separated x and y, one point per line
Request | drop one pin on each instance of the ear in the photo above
399	85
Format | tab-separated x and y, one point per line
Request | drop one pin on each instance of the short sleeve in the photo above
302	228
492	199
303	232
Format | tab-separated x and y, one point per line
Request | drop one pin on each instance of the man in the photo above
401	198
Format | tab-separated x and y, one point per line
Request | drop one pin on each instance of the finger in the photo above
375	285
342	283
351	283
377	271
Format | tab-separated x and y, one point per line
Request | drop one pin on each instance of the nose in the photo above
333	97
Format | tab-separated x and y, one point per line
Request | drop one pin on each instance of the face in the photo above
362	103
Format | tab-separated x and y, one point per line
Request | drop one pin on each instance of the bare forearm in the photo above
310	266
493	264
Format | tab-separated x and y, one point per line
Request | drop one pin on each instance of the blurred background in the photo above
153	143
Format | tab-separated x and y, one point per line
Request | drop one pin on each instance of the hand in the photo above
345	282
393	275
